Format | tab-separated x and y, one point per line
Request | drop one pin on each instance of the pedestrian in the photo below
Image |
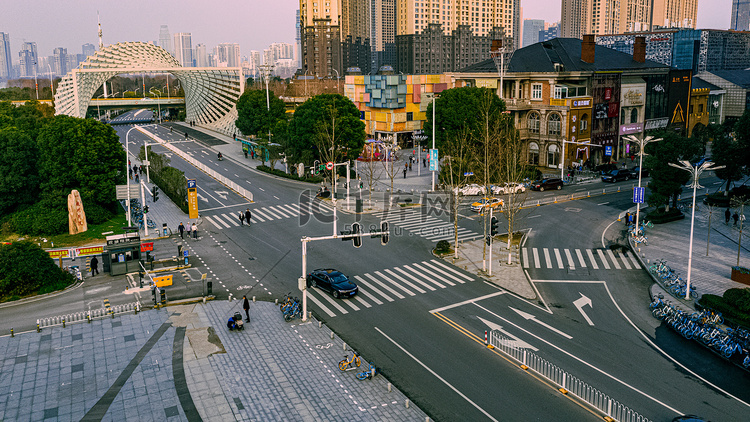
424	162
181	228
189	229
94	266
245	152
404	173
171	128
246	307
137	179
727	215
195	231
135	169
130	173
242	218
627	218
735	217
247	216
409	165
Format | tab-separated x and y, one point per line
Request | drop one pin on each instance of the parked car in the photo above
332	281
508	188
473	189
617	175
643	174
547	184
484	203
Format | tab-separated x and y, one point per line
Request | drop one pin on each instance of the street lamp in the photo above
434	96
158	103
51	86
642	142
267	69
36	84
306	70
695	172
338	88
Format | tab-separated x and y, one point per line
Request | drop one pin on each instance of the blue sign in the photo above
191	183
433	159
608	150
638	194
185	253
469	173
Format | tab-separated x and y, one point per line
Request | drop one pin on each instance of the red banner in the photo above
91	250
147	247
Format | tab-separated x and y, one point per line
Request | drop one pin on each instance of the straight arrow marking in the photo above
580	303
518	343
527	316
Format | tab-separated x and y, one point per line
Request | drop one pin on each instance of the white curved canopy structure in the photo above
211	93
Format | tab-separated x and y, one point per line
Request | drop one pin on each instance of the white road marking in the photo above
403	280
604	260
547	257
580	258
528	316
465	302
427	286
444	265
560	264
537	263
277	197
525	254
373	288
603	203
570	259
534	216
612	257
383	276
384	286
320	305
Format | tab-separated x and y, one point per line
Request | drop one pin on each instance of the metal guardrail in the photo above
87	316
570	383
226	181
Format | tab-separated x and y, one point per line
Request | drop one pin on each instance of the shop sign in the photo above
486	83
91	250
656	123
582	103
632	97
631	128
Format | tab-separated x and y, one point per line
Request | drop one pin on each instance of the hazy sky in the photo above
254	24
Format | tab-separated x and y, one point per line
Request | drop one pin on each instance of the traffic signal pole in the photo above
143	207
489	272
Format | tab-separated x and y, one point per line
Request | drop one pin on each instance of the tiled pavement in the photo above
181	363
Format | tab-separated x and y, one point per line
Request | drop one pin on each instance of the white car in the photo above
508	188
472	190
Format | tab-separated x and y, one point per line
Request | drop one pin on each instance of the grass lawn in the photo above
92	236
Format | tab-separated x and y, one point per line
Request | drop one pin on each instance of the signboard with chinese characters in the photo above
660	123
633	96
631	128
90	250
638	194
433	159
679	97
581	103
486	83
192	190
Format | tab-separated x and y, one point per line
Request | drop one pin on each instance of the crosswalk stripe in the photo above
446	281
373	288
570	259
625	261
321	305
276	212
216	217
603	258
434	262
231	218
547	258
438	233
210	220
333	302
259	212
560	264
390	280
413	278
580	258
612	257
294	211
368	296
384	286
414	224
591	258
254	216
360	300
463	234
525	252
537	263
417	273
634	261
403	280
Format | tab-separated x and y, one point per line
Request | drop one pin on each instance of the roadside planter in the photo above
741	275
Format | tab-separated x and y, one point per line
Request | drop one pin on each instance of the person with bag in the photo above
247	216
242	218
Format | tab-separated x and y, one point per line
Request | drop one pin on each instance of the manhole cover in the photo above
252	258
222	241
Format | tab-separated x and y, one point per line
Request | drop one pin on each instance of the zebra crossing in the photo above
426	226
554	258
389	285
264	214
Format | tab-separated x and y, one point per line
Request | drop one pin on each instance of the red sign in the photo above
91	250
607	94
147	247
329	165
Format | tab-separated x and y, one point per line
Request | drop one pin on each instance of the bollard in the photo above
63	322
230	297
485	338
343	344
253	299
331	335
204	300
390	387
320	324
407	403
11	333
38	330
276	302
372	372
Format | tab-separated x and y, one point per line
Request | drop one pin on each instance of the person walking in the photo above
424	162
137	179
627	218
404	172
246	307
727	216
242	218
247	216
94	266
409	165
181	228
189	229
195	231
735	217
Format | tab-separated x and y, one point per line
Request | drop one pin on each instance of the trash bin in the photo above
209	288
163	296
179	251
164	226
358	205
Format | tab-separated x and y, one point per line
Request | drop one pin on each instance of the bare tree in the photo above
326	141
708	212
391	149
371	173
458	161
740	202
512	169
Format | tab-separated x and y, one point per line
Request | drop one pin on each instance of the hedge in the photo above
734	305
660	217
280	173
26	269
173	183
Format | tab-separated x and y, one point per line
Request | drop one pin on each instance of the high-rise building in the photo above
165	41
227	55
516	24
605	17
60	60
575	18
298	39
6	61
282	50
183	49
28	58
635	15
88	49
382	33
321	36
740	15
674	14
201	56
255	63
480	15
551	30
531	29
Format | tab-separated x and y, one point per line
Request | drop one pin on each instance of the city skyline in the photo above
253	27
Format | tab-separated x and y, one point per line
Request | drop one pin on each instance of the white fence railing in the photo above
87	316
202	167
564	380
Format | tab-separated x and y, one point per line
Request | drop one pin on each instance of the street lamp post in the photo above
695	172
642	142
434	96
36	84
127	169
267	69
338	86
158	101
51	86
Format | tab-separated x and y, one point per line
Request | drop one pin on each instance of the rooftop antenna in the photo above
101	45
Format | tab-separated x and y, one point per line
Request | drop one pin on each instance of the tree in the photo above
459	161
26	269
18	165
726	151
253	114
456	109
512	170
327	115
666	181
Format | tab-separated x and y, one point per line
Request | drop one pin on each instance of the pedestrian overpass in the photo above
211	93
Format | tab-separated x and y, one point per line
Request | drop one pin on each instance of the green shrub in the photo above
734	305
174	185
443	246
26	269
281	173
661	216
96	214
39	219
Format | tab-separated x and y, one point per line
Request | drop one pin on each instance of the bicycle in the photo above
349	363
368	374
293	311
641	239
647	224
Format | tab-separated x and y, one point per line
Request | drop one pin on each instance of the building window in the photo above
561	92
536	91
533	153
409	116
554	124
533	122
584	123
553	155
634	115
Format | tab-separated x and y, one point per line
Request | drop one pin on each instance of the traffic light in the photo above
356	229
493	226
488	239
361	184
155	193
384	233
145	209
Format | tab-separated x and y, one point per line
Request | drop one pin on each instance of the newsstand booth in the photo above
123	253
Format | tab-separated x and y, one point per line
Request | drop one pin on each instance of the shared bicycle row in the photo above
671	280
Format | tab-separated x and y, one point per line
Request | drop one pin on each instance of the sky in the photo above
254	24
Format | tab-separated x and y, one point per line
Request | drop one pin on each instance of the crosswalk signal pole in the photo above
489	271
303	280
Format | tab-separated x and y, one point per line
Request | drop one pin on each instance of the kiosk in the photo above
123	253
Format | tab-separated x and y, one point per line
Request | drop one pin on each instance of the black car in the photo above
332	281
545	184
617	175
643	174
